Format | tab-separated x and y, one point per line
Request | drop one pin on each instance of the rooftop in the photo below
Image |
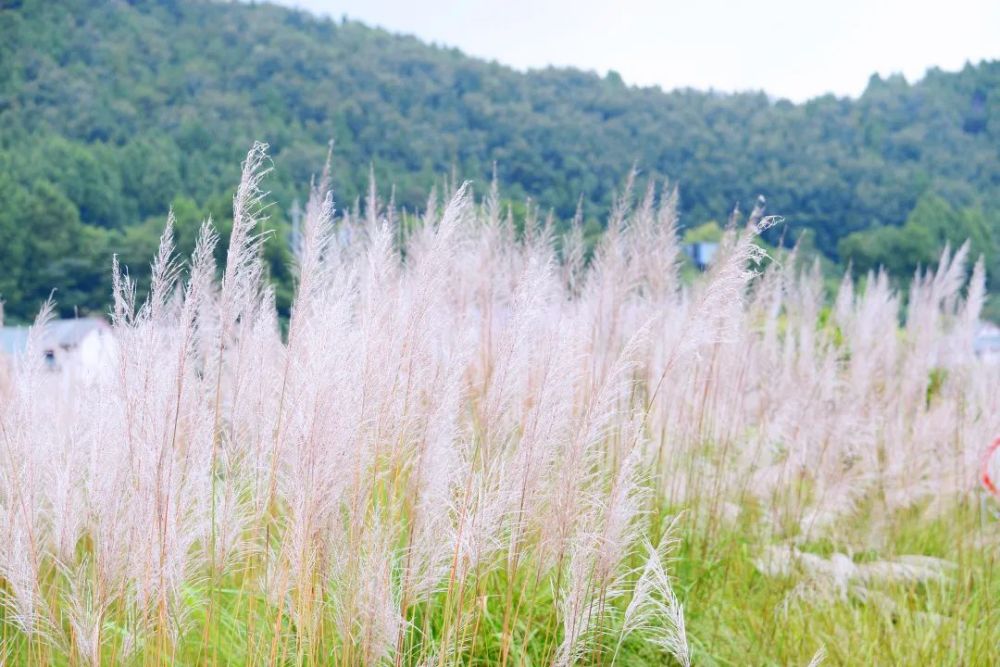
58	333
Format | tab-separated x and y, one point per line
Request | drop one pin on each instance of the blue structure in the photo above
702	254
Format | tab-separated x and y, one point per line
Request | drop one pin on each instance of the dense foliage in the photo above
112	111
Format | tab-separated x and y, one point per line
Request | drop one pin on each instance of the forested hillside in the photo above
112	112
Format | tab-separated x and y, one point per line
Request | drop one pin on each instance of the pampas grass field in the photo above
477	444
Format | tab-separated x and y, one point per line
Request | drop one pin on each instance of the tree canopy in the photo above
111	112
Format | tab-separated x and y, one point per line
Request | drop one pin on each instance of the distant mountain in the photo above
111	111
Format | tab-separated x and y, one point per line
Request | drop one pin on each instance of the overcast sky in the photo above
788	48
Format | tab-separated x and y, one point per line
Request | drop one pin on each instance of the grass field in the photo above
475	443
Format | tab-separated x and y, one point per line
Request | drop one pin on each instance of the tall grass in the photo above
476	446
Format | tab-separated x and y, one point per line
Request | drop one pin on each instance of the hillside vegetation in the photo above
111	112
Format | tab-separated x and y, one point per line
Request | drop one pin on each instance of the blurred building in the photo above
987	341
85	342
702	254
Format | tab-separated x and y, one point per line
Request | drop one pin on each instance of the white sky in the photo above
788	48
